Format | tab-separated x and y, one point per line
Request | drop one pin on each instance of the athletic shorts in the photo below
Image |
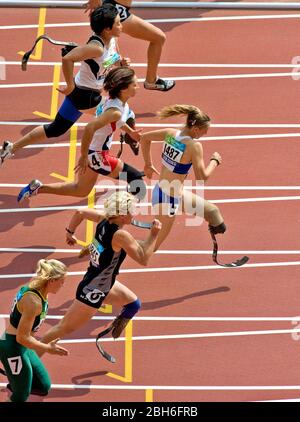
159	197
123	10
101	162
94	288
84	98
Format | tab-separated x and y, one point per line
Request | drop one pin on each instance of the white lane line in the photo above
159	125
170	269
186	336
170	20
148	204
159	252
191	319
175	78
172	387
113	186
275	401
243	200
204	139
150	187
175	65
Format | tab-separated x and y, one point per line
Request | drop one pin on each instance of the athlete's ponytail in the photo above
195	117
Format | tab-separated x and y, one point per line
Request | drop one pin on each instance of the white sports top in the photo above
92	71
103	137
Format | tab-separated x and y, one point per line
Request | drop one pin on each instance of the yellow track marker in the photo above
89	224
105	309
41	31
149	396
54	95
128	357
72	158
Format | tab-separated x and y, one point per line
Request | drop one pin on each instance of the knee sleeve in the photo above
134	178
131	309
58	127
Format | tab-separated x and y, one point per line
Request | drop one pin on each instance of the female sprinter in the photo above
107	252
19	349
121	84
82	94
140	29
181	151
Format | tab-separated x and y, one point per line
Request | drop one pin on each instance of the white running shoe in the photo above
29	190
6	151
160	84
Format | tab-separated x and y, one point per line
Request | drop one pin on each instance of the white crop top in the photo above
103	137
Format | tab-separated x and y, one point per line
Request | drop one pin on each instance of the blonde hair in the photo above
195	117
119	203
47	270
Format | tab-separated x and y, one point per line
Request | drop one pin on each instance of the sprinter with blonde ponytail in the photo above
181	151
19	349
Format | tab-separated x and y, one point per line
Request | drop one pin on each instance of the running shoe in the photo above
29	190
160	85
6	151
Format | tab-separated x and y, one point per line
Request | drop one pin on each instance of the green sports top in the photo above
15	314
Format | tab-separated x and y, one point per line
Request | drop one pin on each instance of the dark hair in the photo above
103	17
118	79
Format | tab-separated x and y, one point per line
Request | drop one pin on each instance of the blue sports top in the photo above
173	150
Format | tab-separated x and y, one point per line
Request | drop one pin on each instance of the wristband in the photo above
215	159
69	231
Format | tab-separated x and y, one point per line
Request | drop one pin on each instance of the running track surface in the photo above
248	367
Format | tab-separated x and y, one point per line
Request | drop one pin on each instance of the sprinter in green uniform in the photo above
19	349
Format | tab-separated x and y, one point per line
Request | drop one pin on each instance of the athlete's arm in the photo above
145	141
31	307
139	251
201	172
76	220
78	54
109	116
133	133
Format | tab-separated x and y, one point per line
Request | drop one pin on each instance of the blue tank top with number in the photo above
173	151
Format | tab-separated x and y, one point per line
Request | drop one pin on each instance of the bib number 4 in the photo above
96	160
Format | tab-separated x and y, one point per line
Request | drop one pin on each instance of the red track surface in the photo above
256	360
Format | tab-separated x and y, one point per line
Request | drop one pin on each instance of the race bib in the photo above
173	150
95	160
95	251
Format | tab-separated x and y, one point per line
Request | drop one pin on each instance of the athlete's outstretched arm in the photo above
31	307
202	172
140	251
76	220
